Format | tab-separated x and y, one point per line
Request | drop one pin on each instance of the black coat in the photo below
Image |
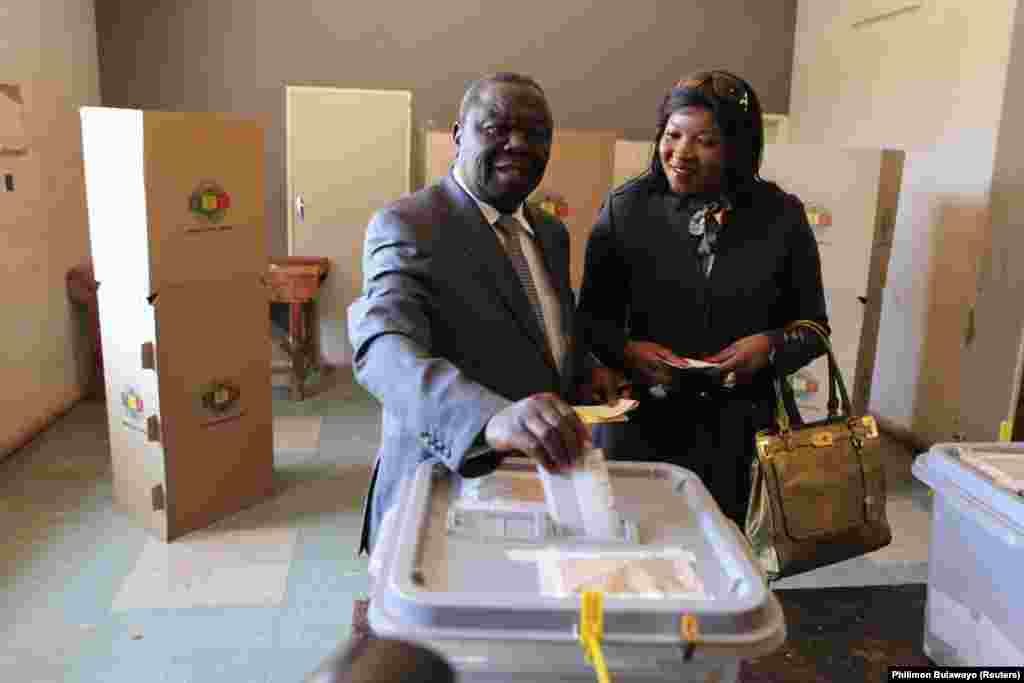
642	281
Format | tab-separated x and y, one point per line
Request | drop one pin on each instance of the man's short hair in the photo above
472	96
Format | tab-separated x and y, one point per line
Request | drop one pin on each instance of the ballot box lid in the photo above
991	473
509	574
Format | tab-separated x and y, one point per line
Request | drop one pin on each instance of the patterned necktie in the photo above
512	229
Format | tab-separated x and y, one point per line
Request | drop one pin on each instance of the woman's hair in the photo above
737	112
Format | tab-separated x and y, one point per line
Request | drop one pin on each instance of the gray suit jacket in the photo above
444	336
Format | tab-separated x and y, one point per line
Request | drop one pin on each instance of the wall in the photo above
49	48
604	65
929	81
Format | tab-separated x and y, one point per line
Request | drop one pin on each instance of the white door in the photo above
348	155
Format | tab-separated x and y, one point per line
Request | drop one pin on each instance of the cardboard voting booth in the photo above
176	223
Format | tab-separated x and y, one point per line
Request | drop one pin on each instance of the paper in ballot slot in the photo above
580	500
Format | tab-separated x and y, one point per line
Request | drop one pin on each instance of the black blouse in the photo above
642	278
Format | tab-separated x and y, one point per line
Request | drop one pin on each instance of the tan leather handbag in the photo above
818	490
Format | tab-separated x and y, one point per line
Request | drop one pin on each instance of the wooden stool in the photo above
295	280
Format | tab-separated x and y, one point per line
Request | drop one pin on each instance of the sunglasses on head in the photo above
720	85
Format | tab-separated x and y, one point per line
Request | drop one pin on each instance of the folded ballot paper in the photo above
680	363
692	373
616	412
580	500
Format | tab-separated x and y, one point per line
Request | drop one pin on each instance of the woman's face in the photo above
692	151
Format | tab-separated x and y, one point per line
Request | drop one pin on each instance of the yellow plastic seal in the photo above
592	631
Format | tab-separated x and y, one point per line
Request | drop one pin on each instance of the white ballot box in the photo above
974	615
178	237
477	570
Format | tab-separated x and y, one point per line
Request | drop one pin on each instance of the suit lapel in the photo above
493	266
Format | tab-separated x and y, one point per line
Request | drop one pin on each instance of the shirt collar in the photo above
490	213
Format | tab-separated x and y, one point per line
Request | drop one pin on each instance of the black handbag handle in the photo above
835	380
833	368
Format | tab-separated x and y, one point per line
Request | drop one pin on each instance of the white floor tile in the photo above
297	433
212	568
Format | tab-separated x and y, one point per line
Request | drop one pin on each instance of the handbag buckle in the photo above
822	440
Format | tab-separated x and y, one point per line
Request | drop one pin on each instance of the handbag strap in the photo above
833	366
835	380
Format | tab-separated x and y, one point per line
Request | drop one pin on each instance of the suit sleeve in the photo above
604	294
390	331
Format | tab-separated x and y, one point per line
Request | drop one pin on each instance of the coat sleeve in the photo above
390	331
805	294
604	294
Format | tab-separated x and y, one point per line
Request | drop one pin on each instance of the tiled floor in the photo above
261	597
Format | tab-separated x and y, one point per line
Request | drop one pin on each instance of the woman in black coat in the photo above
701	258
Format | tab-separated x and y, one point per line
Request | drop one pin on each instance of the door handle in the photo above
300	207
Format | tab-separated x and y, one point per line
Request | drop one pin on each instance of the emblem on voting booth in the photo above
134	409
219	399
132	402
209	201
554	204
820	220
805	385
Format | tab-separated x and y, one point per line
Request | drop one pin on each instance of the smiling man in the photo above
463	332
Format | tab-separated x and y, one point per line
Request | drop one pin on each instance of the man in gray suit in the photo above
464	328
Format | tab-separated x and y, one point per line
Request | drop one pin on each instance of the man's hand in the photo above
543	427
744	357
605	386
644	360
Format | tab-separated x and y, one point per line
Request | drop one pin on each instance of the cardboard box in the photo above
177	230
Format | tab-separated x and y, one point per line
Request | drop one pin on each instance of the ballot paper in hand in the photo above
680	363
692	374
580	500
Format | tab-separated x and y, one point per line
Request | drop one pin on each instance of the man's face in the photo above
504	142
